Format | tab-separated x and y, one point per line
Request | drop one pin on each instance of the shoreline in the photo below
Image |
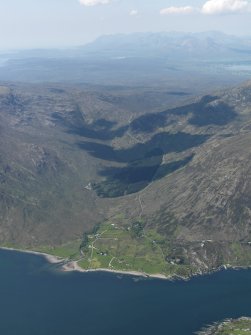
72	266
50	258
217	326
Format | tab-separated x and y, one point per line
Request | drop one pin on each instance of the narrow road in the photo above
92	245
110	264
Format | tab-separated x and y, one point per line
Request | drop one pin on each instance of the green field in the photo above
68	251
128	249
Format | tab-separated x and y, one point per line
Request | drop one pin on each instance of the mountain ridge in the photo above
67	170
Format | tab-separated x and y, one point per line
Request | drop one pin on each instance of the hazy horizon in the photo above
69	47
31	24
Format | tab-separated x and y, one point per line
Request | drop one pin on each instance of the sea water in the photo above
37	298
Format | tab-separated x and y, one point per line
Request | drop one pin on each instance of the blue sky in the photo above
61	23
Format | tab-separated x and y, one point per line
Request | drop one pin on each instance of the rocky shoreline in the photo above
228	327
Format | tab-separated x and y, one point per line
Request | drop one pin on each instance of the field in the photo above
126	248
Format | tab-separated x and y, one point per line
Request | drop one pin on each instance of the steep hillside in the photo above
44	171
155	191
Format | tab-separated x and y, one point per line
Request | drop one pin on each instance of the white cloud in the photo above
225	6
134	12
94	2
177	10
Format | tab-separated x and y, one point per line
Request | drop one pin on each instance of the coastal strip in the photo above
66	265
73	266
69	266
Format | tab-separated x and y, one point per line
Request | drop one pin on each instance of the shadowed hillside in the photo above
74	161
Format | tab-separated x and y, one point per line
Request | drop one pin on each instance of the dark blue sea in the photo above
37	299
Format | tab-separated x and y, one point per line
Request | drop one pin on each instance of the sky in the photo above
65	23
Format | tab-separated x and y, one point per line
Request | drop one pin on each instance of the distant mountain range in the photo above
162	44
186	46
